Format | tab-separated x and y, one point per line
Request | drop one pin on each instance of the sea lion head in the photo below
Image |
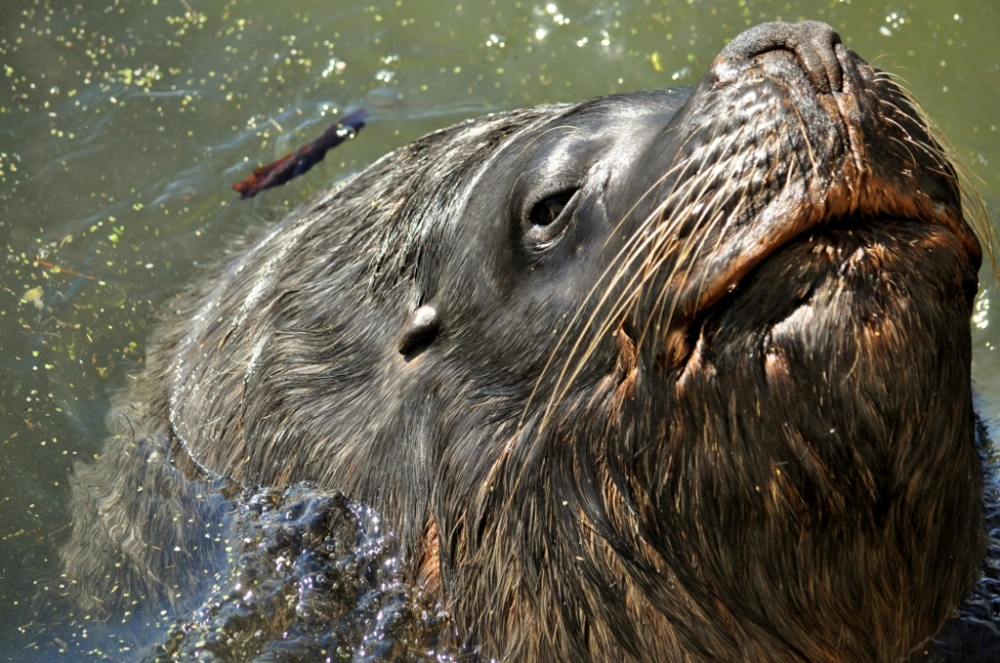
671	375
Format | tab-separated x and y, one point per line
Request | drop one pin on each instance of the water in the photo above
124	123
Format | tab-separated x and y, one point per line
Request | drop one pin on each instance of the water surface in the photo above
123	124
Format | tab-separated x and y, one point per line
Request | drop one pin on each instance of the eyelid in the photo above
542	236
554	206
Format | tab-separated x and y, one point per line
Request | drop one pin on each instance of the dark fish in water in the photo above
300	161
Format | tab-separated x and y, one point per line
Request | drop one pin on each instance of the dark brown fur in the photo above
718	409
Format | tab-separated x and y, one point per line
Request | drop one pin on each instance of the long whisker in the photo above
659	238
632	247
692	189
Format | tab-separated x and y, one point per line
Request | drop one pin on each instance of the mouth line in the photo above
684	339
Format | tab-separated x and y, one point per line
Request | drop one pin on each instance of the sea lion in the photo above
679	375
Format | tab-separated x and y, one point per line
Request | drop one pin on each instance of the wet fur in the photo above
604	451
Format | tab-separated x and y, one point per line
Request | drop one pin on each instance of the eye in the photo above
545	212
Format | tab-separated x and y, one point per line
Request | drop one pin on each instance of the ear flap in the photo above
419	331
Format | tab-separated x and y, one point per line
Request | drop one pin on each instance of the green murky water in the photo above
123	124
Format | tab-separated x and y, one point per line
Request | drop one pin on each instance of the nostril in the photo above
813	43
816	49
